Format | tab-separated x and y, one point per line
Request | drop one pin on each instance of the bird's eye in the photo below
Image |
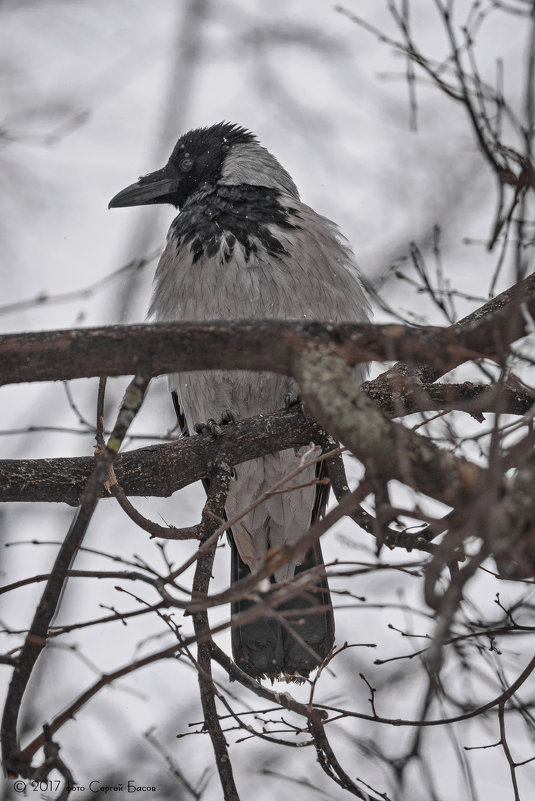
186	164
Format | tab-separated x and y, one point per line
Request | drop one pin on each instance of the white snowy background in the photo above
94	93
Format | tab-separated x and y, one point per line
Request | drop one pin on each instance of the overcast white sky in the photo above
93	94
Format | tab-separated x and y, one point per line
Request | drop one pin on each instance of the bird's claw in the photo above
213	427
209	427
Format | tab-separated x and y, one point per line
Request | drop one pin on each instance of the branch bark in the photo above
219	478
269	345
157	470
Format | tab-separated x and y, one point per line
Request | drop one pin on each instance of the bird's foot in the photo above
214	427
294	403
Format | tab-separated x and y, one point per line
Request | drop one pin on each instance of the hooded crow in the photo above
245	246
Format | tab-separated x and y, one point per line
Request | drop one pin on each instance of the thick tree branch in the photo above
402	394
388	449
157	470
504	308
268	345
161	470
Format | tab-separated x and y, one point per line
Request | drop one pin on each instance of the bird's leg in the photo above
227	417
212	427
294	402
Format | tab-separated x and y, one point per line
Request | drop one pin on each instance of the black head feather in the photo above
198	155
196	162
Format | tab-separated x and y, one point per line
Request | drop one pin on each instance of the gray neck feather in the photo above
253	164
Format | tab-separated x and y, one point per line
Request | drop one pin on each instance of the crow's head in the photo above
220	154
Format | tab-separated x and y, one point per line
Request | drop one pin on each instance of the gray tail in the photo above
264	647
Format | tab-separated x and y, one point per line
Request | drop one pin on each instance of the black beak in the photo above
157	187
